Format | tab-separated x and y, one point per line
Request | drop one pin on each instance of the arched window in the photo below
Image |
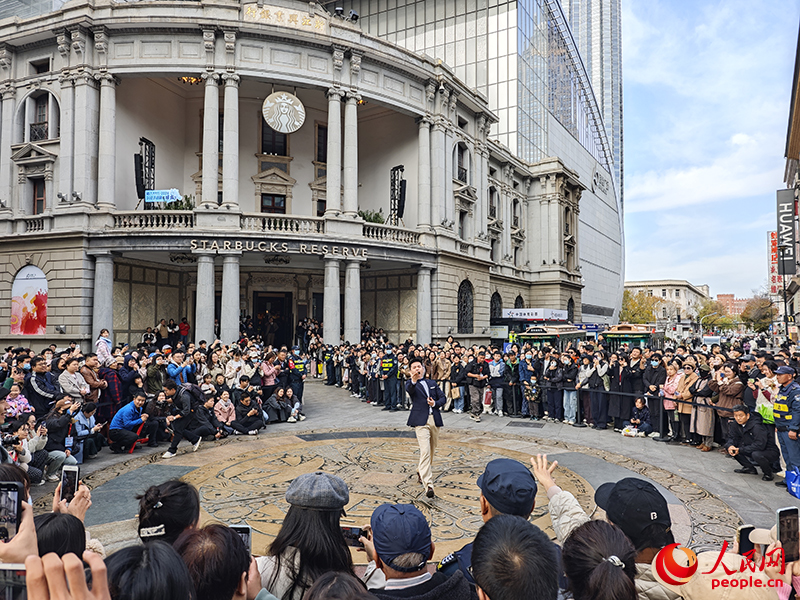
465	307
519	302
29	302
571	310
461	163
38	118
496	306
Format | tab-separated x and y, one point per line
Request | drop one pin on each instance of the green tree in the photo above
759	313
715	316
639	307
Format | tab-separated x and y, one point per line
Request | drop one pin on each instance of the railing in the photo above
39	131
462	174
283	224
153	219
37	224
387	233
515	222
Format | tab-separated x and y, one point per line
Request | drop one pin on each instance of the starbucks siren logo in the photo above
283	112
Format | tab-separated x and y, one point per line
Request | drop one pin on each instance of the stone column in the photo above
204	310
437	174
333	168
351	156
84	172
107	148
331	316
103	307
424	306
229	319
66	134
352	301
424	175
9	105
230	143
211	143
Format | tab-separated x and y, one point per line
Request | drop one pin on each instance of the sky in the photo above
707	88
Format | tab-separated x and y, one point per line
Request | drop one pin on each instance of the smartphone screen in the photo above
351	535
69	482
789	533
246	533
12	582
743	537
10	509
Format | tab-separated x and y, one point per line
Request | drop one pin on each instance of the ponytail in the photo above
166	510
599	561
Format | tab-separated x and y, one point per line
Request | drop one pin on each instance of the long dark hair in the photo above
150	572
166	510
318	538
599	561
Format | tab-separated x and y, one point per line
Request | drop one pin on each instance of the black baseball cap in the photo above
508	486
633	504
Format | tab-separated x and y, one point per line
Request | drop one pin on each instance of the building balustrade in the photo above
387	233
35	224
154	220
283	224
39	131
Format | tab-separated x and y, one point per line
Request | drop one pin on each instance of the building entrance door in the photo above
272	317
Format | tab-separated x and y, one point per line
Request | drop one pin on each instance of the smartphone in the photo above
789	533
12	582
351	535
743	539
69	482
246	533
11	495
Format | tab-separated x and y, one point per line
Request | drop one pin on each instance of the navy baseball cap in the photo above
784	370
633	504
508	486
399	529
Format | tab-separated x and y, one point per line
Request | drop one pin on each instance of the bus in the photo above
554	336
636	336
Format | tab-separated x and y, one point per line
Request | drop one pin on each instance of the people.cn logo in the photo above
669	570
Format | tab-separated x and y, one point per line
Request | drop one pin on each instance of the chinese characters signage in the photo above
278	15
774	279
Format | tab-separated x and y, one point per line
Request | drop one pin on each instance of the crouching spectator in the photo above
126	423
640	418
59	425
751	443
88	431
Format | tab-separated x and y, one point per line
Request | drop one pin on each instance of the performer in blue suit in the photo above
425	418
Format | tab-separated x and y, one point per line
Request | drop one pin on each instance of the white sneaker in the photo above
168	454
53	478
252	432
291	420
302	417
641	434
197	445
499	413
655	434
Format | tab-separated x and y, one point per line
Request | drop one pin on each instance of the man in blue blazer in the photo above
425	418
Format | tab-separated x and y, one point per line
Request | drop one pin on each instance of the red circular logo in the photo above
672	571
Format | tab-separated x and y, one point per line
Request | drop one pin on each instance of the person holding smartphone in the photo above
59	425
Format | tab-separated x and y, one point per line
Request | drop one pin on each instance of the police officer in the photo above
507	487
297	374
389	377
330	373
787	418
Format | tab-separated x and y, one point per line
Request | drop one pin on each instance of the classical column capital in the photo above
424	269
231	79
354	262
210	78
353	97
7	92
330	258
106	78
335	93
423	122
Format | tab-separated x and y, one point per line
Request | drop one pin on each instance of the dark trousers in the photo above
599	400
390	392
586	405
685	421
762	458
181	429
248	424
297	390
555	404
122	439
92	444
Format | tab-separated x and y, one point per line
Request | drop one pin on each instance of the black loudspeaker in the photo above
138	174
401	202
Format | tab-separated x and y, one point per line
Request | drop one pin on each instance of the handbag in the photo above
793	482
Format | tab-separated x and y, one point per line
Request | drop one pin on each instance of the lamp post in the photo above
703	319
782	249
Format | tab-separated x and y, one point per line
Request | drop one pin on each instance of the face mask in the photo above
565	361
297	352
654	363
389	352
374	355
26	367
528	356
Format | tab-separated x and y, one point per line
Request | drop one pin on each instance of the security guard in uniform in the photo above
298	368
330	372
389	377
787	418
507	487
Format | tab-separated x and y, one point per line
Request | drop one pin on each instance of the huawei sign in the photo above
671	570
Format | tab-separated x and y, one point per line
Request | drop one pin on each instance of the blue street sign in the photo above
171	195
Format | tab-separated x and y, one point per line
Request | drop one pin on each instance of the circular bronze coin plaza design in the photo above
243	481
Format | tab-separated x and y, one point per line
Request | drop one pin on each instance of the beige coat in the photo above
730	395
683	393
703	418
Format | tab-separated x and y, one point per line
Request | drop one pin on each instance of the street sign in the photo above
170	195
499	332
